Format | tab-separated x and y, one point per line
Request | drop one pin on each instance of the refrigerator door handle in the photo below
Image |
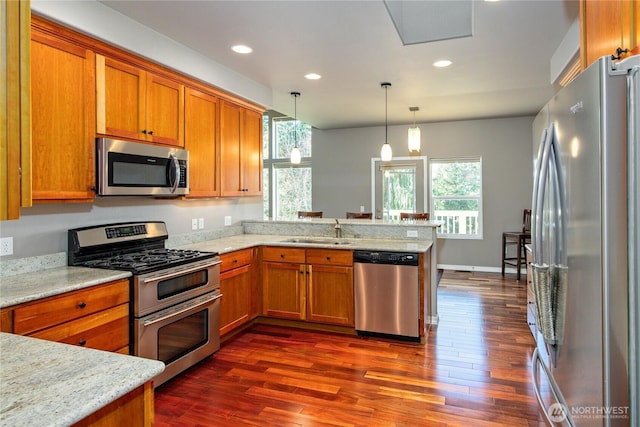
559	410
536	181
542	184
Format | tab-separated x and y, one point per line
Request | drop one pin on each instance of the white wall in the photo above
342	171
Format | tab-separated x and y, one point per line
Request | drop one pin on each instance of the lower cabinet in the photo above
236	283
95	317
314	285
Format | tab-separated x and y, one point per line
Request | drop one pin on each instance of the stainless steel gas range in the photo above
175	294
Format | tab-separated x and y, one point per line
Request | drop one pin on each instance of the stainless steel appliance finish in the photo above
387	299
584	267
175	294
128	168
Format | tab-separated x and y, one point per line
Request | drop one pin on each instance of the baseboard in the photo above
480	268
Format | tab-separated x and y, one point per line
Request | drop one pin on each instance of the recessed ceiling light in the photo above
312	76
442	63
240	48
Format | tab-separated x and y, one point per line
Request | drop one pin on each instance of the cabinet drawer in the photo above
107	330
52	311
235	259
329	257
278	254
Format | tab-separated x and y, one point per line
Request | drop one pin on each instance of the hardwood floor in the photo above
474	370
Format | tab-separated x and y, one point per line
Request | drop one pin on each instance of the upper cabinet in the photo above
201	139
15	143
136	104
62	119
240	150
606	26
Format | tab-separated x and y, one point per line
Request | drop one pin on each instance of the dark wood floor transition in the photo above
474	370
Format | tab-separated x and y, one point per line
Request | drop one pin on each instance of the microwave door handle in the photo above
175	174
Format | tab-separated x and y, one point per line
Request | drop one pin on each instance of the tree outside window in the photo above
456	196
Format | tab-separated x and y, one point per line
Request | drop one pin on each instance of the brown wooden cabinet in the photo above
313	284
606	26
95	317
136	104
240	150
201	139
15	85
236	285
63	119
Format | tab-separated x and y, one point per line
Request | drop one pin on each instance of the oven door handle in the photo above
184	310
180	273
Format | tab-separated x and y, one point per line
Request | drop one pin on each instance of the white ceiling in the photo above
502	70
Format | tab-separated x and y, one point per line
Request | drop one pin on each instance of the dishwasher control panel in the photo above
382	257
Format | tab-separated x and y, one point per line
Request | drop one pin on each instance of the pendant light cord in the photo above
386	123
295	118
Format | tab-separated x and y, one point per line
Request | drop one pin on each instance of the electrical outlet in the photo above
412	233
361	208
6	246
194	223
227	220
200	223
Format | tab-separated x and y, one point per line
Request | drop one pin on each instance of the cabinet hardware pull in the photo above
82	342
235	261
82	304
328	258
144	131
150	132
282	256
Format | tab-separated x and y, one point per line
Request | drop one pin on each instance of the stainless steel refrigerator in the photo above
585	249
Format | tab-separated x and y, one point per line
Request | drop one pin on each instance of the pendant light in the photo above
295	151
414	132
386	153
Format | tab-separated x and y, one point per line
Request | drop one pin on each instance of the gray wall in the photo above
342	175
42	229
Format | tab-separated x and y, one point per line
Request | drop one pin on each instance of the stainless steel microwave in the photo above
128	168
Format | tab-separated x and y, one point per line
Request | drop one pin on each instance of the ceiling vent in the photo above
428	21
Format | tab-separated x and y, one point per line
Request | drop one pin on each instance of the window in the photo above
398	186
456	197
287	187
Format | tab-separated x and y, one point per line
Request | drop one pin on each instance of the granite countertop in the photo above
244	241
47	383
53	281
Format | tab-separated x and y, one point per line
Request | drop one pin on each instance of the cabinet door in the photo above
164	111
606	26
120	92
251	146
63	119
230	121
200	123
235	286
330	295
284	287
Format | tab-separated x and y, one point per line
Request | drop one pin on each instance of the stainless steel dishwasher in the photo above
387	294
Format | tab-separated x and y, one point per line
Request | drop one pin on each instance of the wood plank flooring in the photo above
474	370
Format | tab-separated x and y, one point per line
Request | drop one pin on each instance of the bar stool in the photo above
309	214
519	239
359	215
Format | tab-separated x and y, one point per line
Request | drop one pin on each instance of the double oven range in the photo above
175	294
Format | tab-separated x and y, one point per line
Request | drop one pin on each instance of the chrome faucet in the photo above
338	229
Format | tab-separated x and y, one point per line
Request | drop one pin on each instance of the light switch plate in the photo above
194	223
200	223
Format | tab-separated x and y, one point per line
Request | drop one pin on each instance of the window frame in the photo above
479	197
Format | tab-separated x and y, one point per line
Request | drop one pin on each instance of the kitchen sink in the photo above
318	241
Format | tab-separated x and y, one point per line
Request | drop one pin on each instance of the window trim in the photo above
479	197
425	190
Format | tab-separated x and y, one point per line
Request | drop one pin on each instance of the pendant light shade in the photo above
295	151
414	132
386	153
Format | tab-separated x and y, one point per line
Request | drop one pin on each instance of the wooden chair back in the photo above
526	221
309	214
405	216
359	215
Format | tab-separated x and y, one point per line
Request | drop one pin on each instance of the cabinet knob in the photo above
328	258
82	304
282	256
144	131
82	342
235	261
150	132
